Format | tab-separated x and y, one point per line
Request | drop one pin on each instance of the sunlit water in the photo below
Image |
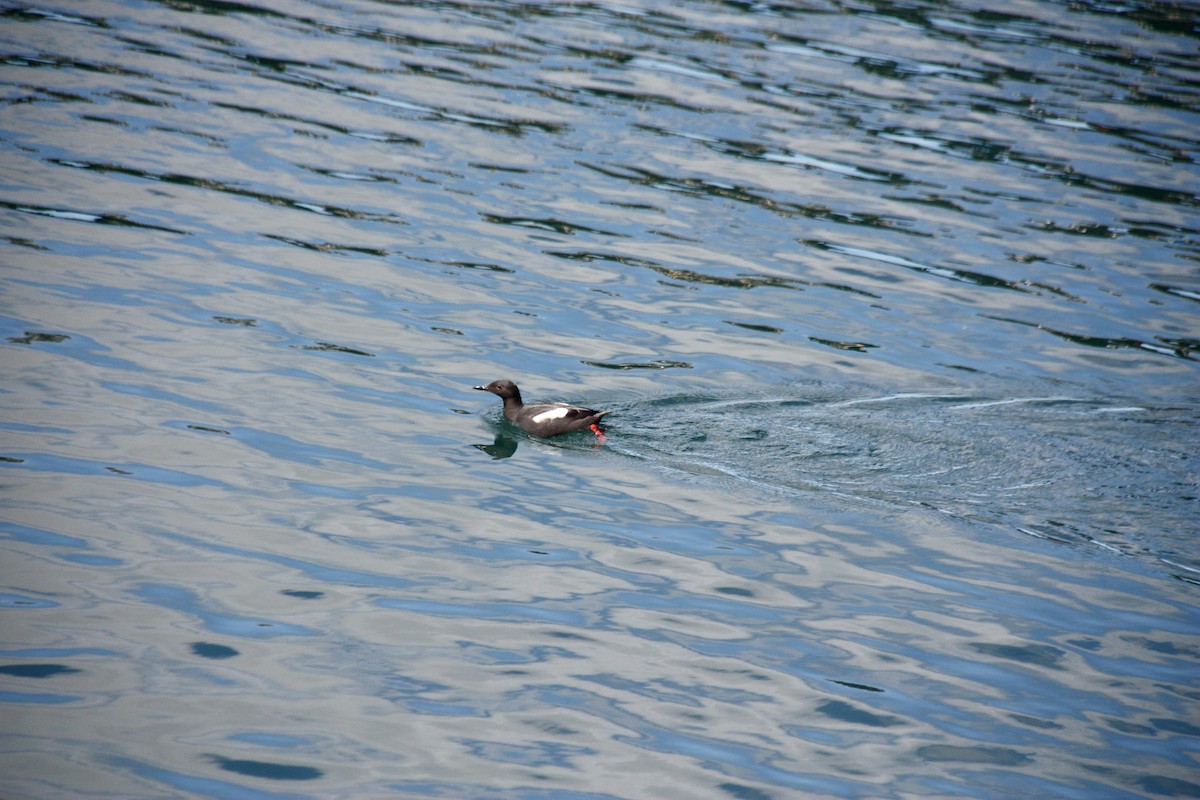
895	307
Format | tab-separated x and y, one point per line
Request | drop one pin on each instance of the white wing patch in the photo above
557	412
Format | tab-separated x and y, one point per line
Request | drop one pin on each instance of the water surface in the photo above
895	307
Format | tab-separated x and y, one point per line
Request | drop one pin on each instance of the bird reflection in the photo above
503	447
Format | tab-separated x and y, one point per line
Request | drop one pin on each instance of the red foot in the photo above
596	429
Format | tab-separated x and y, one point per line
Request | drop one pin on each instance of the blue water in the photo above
894	307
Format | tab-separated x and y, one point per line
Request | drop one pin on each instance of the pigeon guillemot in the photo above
544	419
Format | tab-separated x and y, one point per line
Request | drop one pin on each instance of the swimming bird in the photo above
544	419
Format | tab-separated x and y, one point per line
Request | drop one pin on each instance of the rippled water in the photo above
895	307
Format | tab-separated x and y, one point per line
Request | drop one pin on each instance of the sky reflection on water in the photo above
894	306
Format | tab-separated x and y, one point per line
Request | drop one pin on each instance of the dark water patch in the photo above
31	337
329	347
1176	726
741	792
139	99
1177	291
859	686
858	347
480	266
588	256
53	16
373	136
217	652
206	429
729	282
36	670
268	770
547	224
1179	348
1168	787
753	327
74	64
656	364
303	594
330	247
22	242
1034	722
101	218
